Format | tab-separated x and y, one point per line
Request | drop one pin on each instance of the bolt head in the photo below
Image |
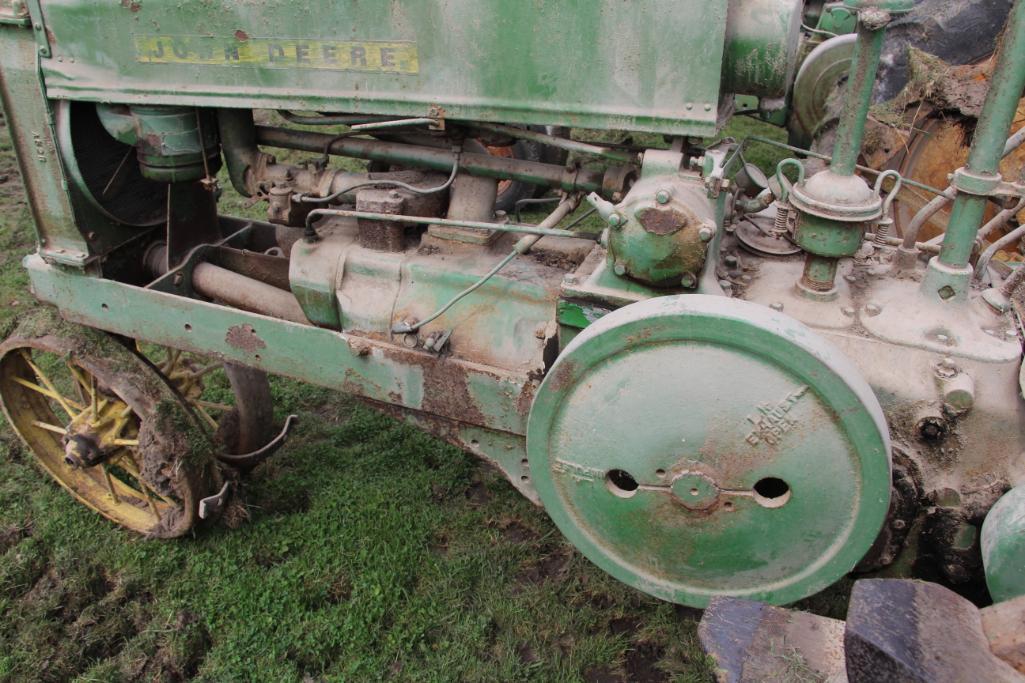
873	309
848	311
705	234
689	281
776	306
619	268
663	196
615	220
730	260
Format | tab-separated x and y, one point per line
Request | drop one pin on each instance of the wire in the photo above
406	328
306	199
565	207
319	120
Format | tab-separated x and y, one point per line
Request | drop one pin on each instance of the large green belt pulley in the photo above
695	446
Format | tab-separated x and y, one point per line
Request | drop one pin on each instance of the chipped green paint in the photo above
699	483
1003	546
632	64
379	371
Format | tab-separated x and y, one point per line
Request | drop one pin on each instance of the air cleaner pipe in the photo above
982	169
850	131
485	165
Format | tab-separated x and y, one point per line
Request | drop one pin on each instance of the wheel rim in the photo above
54	412
935	151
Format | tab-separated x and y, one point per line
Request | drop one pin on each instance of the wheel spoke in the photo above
110	485
128	464
64	403
206	416
82	382
49	427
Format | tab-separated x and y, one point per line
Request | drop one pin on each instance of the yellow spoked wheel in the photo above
108	427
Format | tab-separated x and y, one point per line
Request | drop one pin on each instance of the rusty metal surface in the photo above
237	290
374	369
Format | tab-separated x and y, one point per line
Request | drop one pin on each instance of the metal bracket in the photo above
35	12
14	13
212	505
250	460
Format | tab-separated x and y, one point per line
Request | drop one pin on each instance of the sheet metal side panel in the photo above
649	65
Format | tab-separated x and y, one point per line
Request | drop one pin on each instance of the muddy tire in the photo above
100	420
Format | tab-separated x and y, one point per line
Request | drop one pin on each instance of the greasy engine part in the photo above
703	410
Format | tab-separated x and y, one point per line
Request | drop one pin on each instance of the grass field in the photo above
372	552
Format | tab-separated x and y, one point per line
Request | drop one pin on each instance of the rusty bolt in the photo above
776	306
873	309
663	196
410	340
932	428
689	281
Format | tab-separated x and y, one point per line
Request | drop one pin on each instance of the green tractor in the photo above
729	381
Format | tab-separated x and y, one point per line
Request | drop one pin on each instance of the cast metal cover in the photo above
695	446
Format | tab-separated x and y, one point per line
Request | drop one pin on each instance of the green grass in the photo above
372	552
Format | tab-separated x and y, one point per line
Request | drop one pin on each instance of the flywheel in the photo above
695	446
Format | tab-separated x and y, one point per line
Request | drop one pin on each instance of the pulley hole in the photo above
727	505
660	474
621	483
188	327
105	307
772	492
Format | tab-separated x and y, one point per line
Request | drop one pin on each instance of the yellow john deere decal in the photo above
279	53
